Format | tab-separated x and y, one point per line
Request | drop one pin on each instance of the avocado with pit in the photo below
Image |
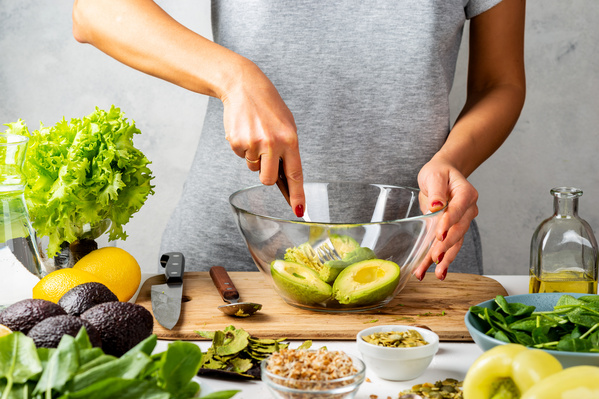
299	283
122	325
367	282
332	268
48	332
23	315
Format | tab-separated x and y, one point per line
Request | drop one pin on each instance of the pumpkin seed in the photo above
396	339
447	389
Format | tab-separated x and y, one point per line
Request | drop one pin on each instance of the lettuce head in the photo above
82	173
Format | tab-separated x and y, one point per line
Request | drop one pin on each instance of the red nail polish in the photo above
437	205
440	258
299	211
444	274
444	236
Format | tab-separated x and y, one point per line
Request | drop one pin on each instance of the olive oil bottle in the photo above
563	251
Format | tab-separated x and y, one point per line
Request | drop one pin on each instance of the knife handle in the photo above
282	182
174	266
223	283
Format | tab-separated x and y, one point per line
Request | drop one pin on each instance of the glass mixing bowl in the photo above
378	230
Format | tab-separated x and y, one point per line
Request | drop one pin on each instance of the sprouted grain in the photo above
311	370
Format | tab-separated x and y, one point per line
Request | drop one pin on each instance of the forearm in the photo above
140	34
496	87
484	124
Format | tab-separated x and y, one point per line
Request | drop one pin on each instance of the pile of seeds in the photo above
320	365
446	389
396	339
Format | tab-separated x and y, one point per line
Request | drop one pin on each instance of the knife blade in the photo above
166	298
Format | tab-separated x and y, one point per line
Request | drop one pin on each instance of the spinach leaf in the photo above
18	360
181	363
61	367
119	388
220	395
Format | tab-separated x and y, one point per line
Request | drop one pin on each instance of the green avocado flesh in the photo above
366	282
343	244
299	283
332	268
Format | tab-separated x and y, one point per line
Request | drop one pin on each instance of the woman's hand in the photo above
261	129
441	183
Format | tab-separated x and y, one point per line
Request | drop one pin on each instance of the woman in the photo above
360	89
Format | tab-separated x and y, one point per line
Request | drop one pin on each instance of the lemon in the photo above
54	285
116	267
4	330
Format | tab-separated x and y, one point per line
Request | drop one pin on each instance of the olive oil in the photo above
563	281
563	250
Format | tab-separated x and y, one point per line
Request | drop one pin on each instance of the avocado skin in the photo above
122	325
85	296
24	315
48	332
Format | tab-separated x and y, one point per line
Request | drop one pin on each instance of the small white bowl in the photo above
398	364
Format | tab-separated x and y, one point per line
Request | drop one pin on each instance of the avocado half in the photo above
299	283
366	282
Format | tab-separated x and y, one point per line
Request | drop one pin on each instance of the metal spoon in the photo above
228	292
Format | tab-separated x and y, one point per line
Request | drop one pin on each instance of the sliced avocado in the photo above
332	268
84	296
366	282
48	332
343	244
23	315
122	325
299	283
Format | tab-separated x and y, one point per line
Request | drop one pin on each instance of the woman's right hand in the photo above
261	129
258	124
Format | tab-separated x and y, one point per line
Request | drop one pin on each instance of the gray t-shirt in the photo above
368	85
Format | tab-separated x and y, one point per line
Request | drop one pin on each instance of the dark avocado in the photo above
122	325
48	332
23	315
85	296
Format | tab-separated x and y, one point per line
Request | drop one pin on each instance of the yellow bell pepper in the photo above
572	383
508	372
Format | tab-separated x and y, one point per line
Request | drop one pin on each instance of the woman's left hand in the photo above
441	183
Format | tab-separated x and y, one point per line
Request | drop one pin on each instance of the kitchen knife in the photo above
166	298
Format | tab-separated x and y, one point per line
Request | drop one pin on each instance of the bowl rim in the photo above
496	341
432	343
356	378
338	224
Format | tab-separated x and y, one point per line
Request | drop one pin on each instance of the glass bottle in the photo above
20	260
563	251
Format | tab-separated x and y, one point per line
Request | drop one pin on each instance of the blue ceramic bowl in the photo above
542	302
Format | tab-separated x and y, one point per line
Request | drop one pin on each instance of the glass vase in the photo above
563	252
20	260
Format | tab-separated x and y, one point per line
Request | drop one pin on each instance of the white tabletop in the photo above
452	361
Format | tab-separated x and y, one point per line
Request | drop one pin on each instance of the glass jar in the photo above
563	251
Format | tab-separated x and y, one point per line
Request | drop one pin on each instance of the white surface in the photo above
451	361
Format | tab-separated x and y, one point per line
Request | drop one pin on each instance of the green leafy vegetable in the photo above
81	173
572	325
76	370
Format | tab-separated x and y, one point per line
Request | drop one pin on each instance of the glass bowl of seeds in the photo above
397	352
305	374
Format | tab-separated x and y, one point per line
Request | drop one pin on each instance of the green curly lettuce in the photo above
82	173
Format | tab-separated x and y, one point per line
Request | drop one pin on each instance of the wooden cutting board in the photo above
438	305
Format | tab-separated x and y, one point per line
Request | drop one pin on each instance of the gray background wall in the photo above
45	75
